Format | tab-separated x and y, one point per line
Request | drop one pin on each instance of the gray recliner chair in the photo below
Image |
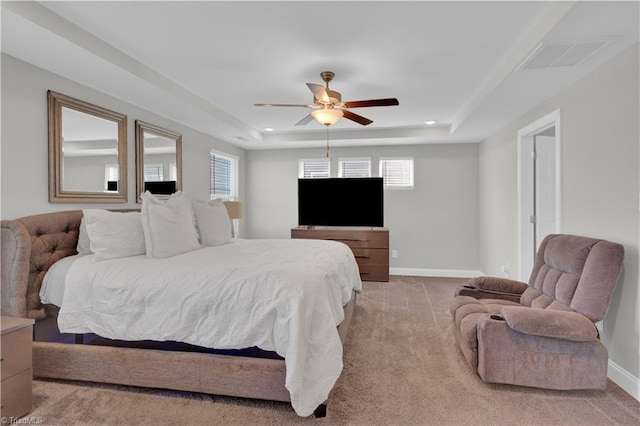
542	334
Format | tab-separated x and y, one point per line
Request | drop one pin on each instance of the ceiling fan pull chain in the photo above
327	141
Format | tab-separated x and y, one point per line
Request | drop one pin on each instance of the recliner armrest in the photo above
493	288
497	284
550	323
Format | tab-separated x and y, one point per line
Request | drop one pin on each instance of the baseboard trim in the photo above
627	381
419	272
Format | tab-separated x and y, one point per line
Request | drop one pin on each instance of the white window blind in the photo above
314	168
222	169
153	173
354	167
397	172
173	172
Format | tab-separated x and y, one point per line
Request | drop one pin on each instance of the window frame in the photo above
233	184
301	168
410	185
341	161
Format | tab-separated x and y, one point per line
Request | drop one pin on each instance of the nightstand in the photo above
16	366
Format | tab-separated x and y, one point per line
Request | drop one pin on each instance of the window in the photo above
354	167
111	175
397	172
314	168
153	173
173	172
224	175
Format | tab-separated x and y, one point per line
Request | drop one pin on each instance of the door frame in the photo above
525	187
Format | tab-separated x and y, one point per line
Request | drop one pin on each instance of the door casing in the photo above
526	207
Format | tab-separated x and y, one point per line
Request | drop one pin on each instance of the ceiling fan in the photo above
328	106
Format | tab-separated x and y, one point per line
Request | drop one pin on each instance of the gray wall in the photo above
600	185
433	226
86	173
24	142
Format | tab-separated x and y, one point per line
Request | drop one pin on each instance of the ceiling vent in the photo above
562	54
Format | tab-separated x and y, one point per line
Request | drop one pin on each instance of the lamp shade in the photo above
234	208
327	116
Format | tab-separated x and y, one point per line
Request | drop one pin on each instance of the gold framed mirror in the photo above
87	152
158	160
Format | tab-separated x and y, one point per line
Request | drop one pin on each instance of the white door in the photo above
538	187
545	187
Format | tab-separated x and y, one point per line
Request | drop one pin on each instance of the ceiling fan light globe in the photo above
327	117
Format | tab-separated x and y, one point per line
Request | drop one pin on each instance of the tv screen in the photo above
340	202
166	187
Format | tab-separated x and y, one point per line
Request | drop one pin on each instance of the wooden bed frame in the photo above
30	245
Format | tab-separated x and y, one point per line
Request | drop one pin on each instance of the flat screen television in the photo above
340	202
165	187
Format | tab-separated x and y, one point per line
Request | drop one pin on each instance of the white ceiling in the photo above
205	64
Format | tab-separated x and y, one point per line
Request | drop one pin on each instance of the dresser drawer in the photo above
16	394
367	256
16	351
374	272
354	239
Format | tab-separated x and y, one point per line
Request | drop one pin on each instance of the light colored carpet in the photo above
401	368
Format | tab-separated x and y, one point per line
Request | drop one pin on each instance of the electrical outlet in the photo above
394	254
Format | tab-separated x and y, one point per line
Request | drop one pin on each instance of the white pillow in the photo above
168	227
84	243
212	221
114	234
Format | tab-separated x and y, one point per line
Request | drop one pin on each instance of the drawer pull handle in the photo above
362	257
348	239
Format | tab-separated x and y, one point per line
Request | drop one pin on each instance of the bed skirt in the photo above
238	376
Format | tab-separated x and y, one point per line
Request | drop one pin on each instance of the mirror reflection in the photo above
158	160
87	152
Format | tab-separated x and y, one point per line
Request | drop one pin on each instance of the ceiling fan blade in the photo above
372	103
285	105
305	120
355	117
319	92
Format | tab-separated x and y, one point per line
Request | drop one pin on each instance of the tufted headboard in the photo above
30	245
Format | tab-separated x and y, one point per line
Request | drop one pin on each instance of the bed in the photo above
31	245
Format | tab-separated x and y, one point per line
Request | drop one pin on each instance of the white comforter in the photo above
280	295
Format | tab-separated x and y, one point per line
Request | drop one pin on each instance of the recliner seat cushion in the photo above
466	312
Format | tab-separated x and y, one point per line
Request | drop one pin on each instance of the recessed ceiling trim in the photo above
531	38
51	21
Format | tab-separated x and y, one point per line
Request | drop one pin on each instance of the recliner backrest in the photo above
573	273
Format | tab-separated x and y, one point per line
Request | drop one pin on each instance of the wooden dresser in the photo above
16	366
370	246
